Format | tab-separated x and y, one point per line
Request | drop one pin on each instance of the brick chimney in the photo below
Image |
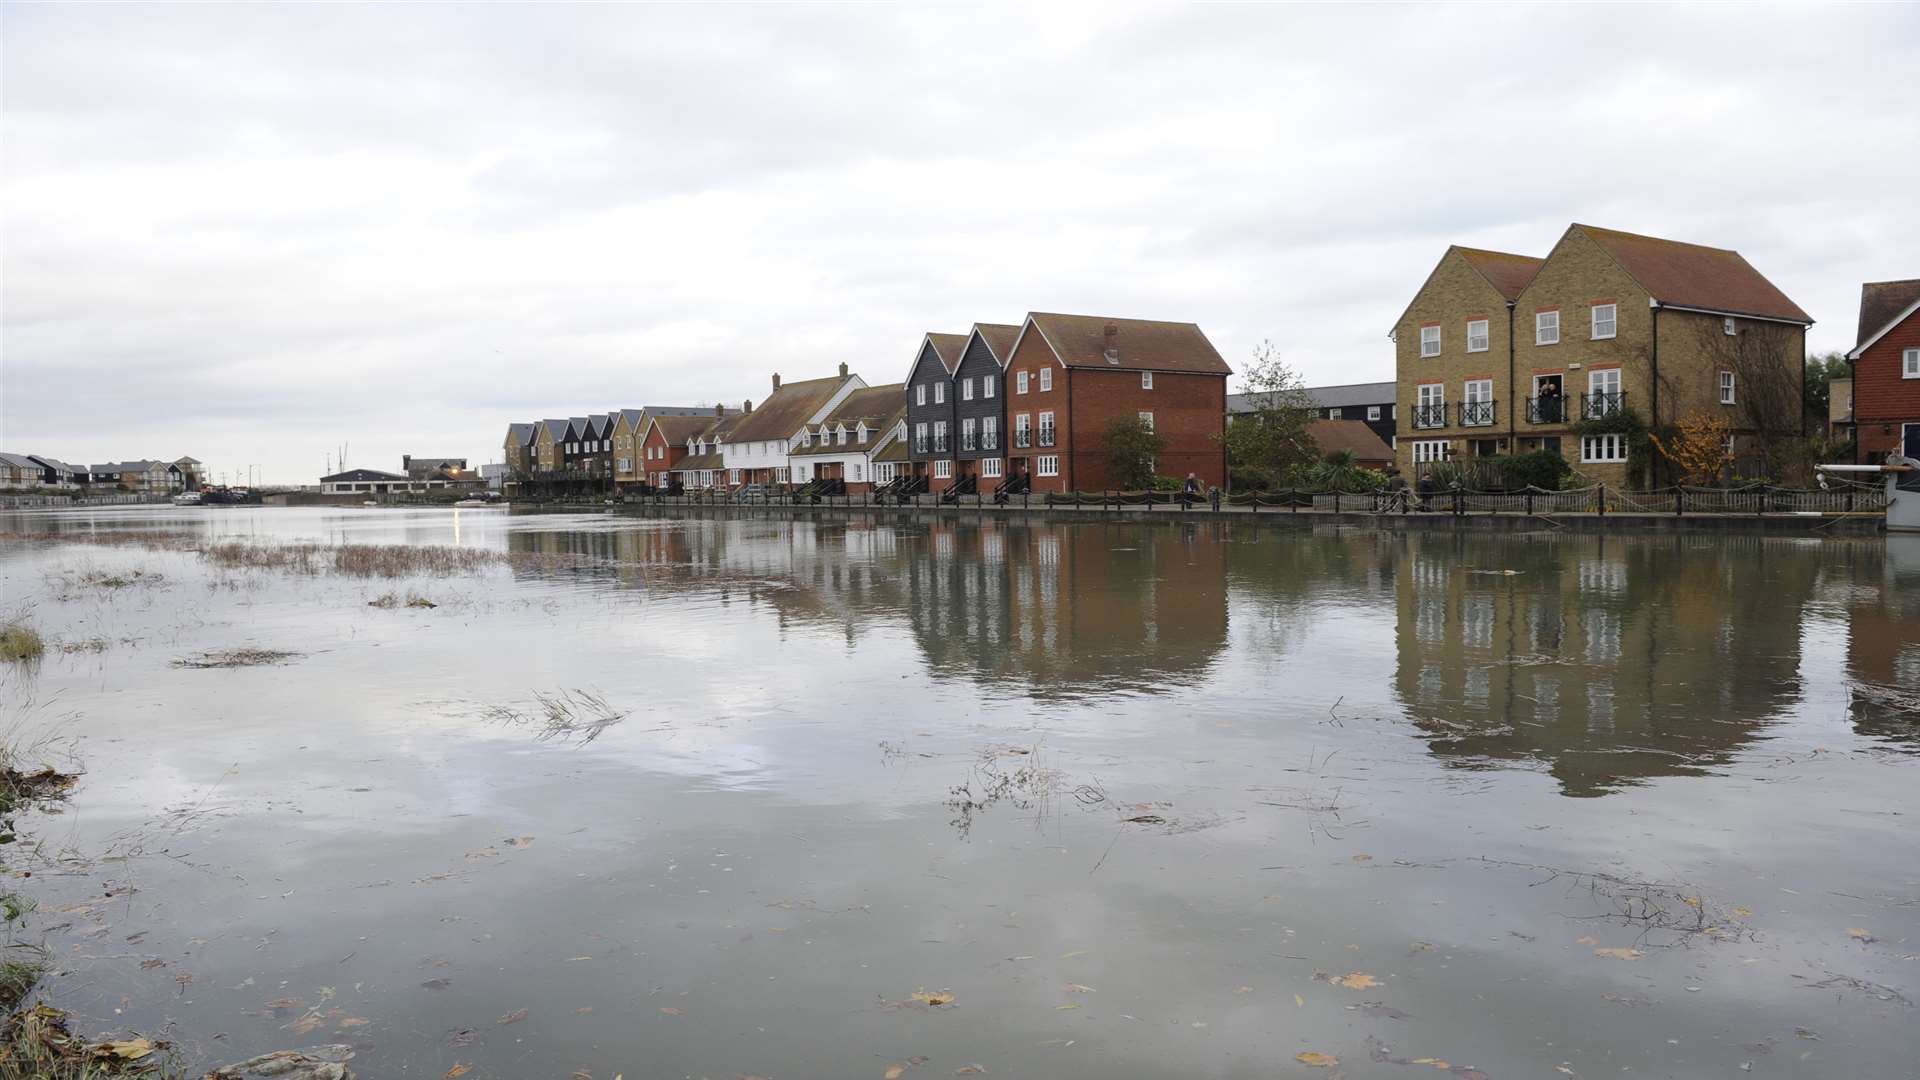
1112	350
719	410
746	406
776	380
843	369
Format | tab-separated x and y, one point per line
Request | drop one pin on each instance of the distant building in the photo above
422	467
1886	370
19	471
1370	403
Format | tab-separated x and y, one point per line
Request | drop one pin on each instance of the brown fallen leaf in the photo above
1859	933
285	1003
935	997
1742	912
518	841
354	1021
1620	954
482	853
970	1070
151	963
1586	939
513	1017
894	1072
1316	1059
436	984
1078	988
670	1010
129	1050
1357	980
1243	989
457	1071
1363	858
584	1009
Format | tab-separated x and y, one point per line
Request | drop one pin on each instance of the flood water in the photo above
1119	800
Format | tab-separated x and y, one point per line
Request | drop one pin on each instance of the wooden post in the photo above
1679	502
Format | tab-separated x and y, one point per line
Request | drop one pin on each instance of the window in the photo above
1432	408
626	464
1147	419
1023	431
986	386
1046	465
1910	364
856	472
1603	381
1603	448
1019	382
1425	450
861	432
939	436
1046	429
1727	327
942	469
919	438
966	389
968	441
840	436
733	476
780	475
1373	412
1546	327
1726	388
806	438
990	466
1333	414
1478	410
1046	379
939	393
989	433
1146	380
1603	321
920	394
1430	341
1476	335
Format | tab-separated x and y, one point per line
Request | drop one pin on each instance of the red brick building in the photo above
664	446
1070	376
1886	370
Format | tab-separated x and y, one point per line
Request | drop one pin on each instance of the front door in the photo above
1910	441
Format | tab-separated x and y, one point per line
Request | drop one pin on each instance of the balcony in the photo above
1022	438
920	444
940	445
1477	414
1595	406
1046	436
1430	416
1551	409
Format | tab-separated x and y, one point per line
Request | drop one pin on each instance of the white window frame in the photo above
1046	379
1546	327
1019	382
856	472
969	434
920	394
1910	363
1607	449
1146	418
940	393
1430	340
1729	327
733	476
1044	424
966	389
943	469
1728	388
1023	430
1604	381
989	467
1612	321
1426	450
1373	412
989	433
986	386
1480	340
941	444
1146	380
1046	465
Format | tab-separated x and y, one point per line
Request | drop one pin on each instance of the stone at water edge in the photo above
314	1063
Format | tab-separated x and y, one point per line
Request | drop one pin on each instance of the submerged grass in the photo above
563	715
19	641
235	658
395	600
352	560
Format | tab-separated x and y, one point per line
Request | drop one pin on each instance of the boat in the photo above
187	498
471	502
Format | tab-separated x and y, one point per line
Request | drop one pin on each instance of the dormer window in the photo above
860	432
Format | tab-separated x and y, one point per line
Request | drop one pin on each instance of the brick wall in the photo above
1882	400
1030	357
1454	294
1189	413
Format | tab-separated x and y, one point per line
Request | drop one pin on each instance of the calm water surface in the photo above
1140	800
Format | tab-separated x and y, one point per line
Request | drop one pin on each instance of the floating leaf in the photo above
1077	988
1316	1059
670	1010
1243	989
285	1003
482	853
1858	933
1620	954
936	997
1742	913
436	984
1358	980
513	1017
518	841
130	1050
354	1021
457	1071
894	1072
1586	939
151	963
970	1070
1299	1001
1057	1007
1363	858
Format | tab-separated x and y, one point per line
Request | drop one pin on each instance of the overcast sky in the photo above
251	234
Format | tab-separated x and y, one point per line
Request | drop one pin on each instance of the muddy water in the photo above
1120	800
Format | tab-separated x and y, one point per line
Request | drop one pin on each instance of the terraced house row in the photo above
1002	407
1503	353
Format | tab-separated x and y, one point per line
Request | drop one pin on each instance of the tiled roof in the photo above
697	461
1881	302
1327	397
948	348
999	338
1505	271
1333	436
678	429
787	409
521	434
1695	276
558	428
19	461
897	450
1138	344
873	404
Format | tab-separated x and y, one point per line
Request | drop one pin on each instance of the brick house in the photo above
667	440
703	465
930	408
1886	371
1069	376
1501	353
631	465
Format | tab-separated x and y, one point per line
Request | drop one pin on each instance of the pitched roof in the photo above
362	475
678	428
873	404
897	450
709	460
1881	302
19	461
999	338
521	434
1694	275
1333	436
787	409
1505	271
557	428
948	348
1347	396
599	425
1138	344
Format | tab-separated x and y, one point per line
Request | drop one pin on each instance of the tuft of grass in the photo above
352	560
20	642
19	975
37	1043
395	600
564	715
235	658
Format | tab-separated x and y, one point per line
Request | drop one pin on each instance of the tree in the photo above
1698	446
1132	445
1272	440
1770	392
1822	370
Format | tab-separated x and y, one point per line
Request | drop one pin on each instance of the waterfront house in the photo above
631	465
930	407
668	439
59	474
703	466
1371	403
517	456
980	407
1501	353
377	482
1886	371
20	471
759	449
838	451
423	467
140	477
1068	377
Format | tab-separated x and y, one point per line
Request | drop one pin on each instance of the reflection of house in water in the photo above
1061	607
1572	662
1883	640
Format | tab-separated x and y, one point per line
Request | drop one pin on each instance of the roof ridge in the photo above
1895	281
1658	239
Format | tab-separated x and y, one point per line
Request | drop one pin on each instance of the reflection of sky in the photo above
745	848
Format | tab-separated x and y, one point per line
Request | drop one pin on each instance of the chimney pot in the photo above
843	369
776	380
719	410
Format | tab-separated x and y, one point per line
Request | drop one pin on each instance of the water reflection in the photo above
1883	642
